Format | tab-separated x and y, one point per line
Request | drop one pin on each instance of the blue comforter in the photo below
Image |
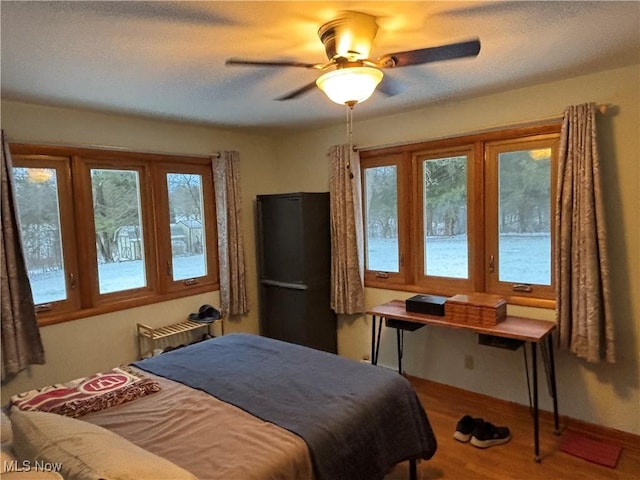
357	419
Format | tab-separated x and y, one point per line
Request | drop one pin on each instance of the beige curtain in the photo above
21	343
583	310
347	265
226	178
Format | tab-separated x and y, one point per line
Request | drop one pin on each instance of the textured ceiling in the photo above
166	59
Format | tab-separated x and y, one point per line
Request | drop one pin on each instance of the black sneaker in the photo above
465	427
487	435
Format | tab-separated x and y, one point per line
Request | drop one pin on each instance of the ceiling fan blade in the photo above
296	93
269	63
470	48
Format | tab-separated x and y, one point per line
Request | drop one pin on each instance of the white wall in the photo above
81	347
602	394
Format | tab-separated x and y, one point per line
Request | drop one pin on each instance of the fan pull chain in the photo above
349	137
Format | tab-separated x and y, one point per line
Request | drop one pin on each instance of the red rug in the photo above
589	449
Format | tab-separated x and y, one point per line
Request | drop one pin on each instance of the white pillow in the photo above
85	451
5	428
33	475
10	464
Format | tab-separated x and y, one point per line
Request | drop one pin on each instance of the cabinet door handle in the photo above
190	281
382	275
492	264
275	283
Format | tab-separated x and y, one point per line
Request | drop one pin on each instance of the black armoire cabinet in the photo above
294	268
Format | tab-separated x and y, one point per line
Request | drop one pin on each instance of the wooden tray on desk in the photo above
476	309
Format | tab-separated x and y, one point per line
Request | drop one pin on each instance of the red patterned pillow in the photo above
89	394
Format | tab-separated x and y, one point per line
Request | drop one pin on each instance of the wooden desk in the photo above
527	330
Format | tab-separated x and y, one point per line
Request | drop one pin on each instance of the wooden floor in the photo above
514	460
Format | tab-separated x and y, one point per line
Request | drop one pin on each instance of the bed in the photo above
245	407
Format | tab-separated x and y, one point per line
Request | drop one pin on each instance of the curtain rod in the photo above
600	108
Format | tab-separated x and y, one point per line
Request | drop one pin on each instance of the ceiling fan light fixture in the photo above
348	86
349	36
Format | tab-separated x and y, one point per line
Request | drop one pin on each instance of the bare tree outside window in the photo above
465	214
141	216
524	216
118	226
39	213
187	224
381	219
445	217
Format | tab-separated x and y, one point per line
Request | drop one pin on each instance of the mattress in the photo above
248	407
206	436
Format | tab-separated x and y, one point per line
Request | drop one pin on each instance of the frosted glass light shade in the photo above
348	86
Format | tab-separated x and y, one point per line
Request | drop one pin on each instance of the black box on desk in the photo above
429	304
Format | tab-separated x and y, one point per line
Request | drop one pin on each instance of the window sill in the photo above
46	319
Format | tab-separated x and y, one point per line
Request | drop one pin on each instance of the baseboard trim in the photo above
600	432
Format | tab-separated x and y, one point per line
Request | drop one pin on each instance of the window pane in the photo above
446	244
381	190
524	217
187	225
39	213
119	235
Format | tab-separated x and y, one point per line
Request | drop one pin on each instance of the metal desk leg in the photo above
374	360
413	469
536	432
378	340
400	341
554	391
375	341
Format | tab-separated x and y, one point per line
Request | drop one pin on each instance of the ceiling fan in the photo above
351	76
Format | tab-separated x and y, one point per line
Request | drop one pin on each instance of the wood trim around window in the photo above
492	151
60	164
479	181
73	165
446	285
401	161
164	245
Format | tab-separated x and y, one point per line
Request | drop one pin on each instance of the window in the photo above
186	224
382	218
444	207
468	214
117	218
43	199
108	230
520	189
445	227
383	214
190	248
